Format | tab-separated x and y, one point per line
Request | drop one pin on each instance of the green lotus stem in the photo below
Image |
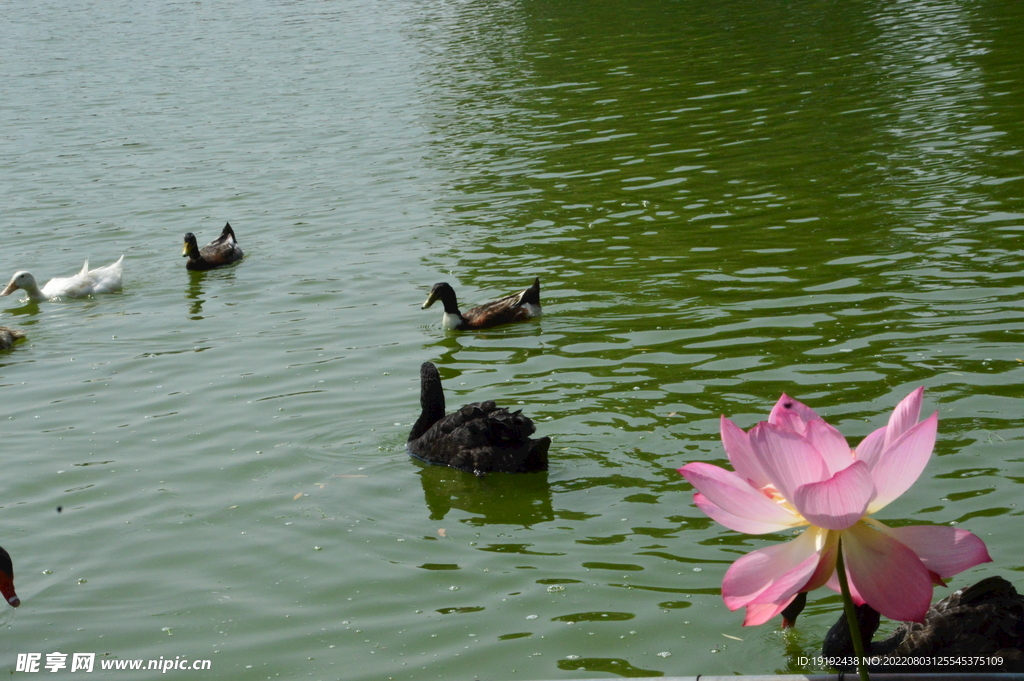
851	616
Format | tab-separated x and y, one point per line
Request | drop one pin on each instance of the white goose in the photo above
100	280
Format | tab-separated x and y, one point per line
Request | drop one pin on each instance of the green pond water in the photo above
723	201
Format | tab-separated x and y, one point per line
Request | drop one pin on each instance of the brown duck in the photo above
8	337
223	250
517	307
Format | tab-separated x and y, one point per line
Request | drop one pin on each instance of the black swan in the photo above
985	620
517	307
479	438
223	250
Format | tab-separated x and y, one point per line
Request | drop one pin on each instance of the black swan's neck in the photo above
793	610
839	643
431	400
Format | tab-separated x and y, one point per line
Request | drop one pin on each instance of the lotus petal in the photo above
828	551
792	414
833	583
900	465
734	495
944	550
759	613
888	575
840	501
871	447
831	444
788	458
904	416
771	574
735	522
741	454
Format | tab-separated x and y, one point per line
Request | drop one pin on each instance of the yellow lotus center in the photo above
776	496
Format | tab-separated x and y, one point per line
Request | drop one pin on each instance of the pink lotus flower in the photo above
795	470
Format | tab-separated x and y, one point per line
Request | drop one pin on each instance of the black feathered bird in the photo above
985	620
479	438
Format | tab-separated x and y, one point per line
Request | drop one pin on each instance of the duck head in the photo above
446	294
25	281
191	249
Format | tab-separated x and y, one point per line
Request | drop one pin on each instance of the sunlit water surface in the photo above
723	201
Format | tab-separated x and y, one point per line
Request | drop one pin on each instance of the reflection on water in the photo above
196	280
512	345
499	498
608	665
195	294
28	307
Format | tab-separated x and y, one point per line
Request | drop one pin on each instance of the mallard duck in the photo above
100	280
7	579
8	337
479	438
517	307
983	620
223	250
